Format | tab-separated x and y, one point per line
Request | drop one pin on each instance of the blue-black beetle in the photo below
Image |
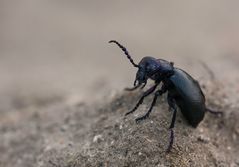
183	90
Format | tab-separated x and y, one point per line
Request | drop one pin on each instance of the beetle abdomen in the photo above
188	95
193	112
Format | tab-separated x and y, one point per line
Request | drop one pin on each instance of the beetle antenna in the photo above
125	52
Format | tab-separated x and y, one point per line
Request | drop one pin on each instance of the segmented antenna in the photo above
125	52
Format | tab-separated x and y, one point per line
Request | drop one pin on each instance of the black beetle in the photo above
183	90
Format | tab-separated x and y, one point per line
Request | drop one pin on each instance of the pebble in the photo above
203	139
97	138
201	130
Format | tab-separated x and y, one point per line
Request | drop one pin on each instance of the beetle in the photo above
183	91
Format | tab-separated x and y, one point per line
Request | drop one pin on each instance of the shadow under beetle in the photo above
183	90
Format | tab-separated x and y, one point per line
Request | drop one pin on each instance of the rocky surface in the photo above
67	134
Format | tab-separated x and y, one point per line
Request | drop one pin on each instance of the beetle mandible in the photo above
183	91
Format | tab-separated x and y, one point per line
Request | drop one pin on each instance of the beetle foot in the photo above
130	112
171	141
133	88
141	118
219	113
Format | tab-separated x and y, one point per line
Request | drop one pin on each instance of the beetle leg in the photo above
133	88
148	92
214	112
158	93
144	84
172	105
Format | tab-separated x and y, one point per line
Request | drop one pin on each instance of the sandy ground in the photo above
61	84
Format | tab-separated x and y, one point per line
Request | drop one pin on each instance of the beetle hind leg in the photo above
214	112
172	105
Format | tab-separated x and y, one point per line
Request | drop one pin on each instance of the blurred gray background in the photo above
60	46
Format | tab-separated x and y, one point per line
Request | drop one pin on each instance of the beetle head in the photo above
148	67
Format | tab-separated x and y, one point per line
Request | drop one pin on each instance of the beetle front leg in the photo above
148	92
172	104
158	93
133	88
